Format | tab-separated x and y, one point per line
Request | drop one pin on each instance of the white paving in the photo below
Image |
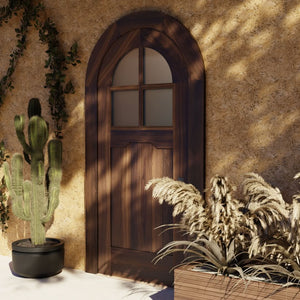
76	284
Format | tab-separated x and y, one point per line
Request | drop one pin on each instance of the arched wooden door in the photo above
138	127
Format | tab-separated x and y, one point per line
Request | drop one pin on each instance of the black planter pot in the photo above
39	261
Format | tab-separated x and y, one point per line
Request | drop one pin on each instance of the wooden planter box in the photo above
194	285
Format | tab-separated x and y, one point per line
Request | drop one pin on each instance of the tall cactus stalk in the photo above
35	200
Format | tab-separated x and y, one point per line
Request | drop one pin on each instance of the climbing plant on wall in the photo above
4	209
33	13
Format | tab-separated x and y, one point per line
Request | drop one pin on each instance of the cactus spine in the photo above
35	200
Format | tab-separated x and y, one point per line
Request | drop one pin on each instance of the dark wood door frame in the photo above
98	133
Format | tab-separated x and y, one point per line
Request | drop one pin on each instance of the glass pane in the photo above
127	70
158	107
156	68
125	108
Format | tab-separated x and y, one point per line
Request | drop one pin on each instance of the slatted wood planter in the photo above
194	285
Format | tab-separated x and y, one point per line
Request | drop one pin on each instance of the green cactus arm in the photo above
55	175
17	187
14	182
55	154
19	126
54	189
17	174
7	177
20	203
27	186
38	203
18	209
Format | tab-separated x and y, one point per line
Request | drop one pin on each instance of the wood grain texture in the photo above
135	215
128	158
193	285
104	183
138	265
158	138
90	188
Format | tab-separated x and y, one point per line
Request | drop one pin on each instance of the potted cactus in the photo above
35	200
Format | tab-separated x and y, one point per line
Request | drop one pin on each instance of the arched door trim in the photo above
192	58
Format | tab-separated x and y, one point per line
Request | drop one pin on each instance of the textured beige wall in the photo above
252	60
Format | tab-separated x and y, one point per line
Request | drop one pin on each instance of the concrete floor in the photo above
75	284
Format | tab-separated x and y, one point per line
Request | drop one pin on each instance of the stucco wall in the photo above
252	60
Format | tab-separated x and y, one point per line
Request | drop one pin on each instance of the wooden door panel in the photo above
139	266
118	158
120	212
134	213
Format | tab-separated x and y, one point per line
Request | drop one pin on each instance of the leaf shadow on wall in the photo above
252	106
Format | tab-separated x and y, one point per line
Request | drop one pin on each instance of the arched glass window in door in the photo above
142	90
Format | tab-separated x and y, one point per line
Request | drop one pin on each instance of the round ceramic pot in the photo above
38	261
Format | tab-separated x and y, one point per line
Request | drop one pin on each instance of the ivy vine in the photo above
4	209
34	14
